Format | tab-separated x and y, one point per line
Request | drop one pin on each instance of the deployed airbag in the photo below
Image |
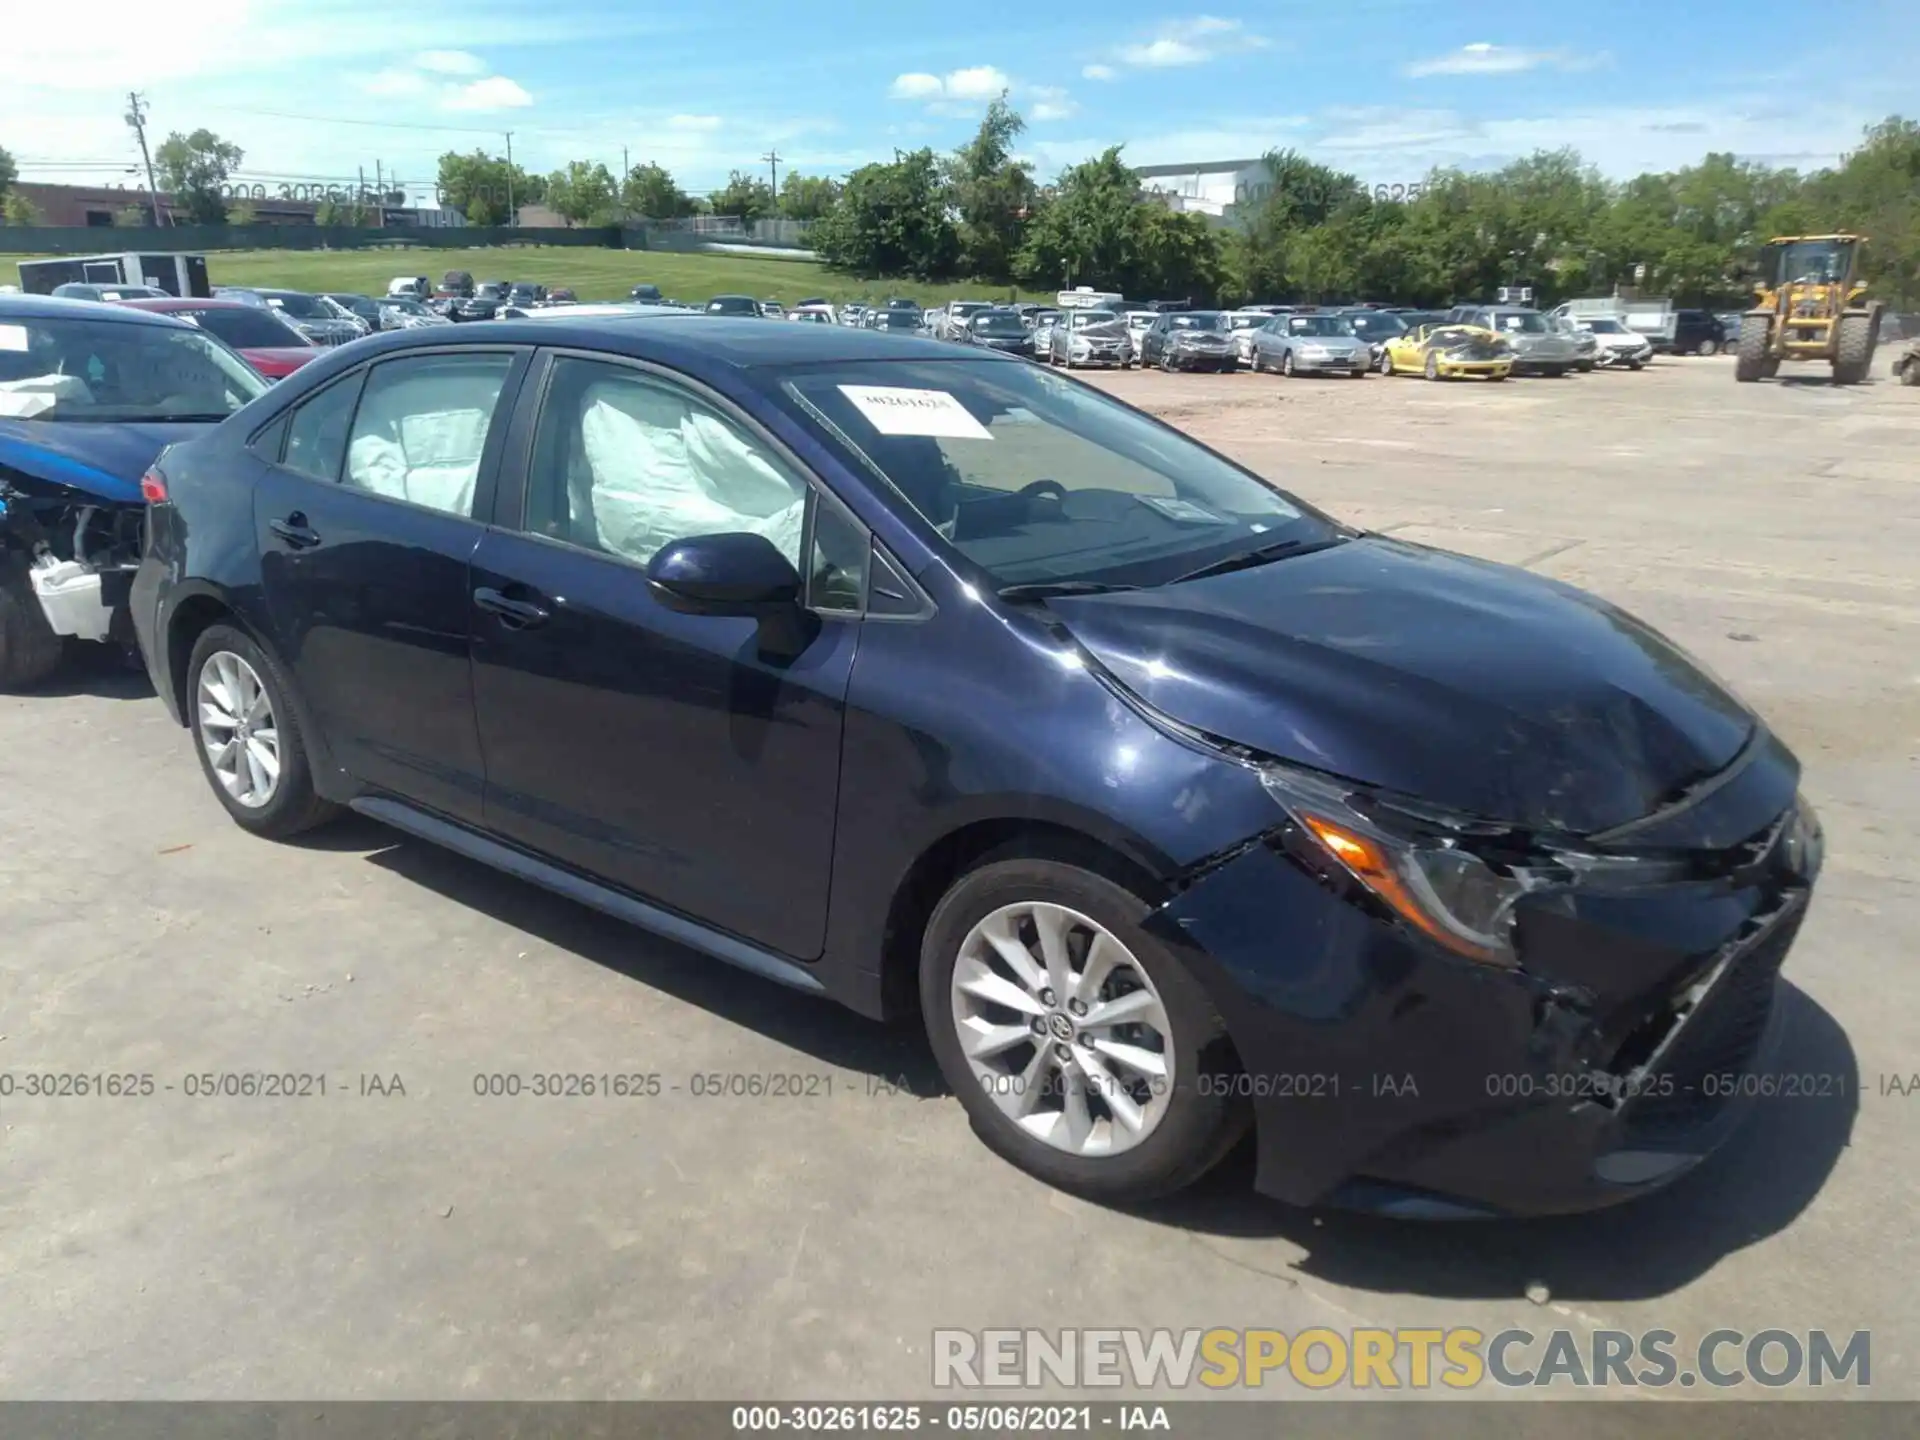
659	469
420	439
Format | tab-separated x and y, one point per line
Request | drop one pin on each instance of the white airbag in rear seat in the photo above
662	471
429	457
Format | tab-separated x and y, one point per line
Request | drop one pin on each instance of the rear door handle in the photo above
295	531
515	614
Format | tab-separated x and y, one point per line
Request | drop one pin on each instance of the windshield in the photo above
1248	322
1198	320
1082	319
1376	326
897	320
106	370
1812	262
1129	501
1000	323
1526	322
732	305
301	307
1606	327
1141	319
1317	325
247	329
490	291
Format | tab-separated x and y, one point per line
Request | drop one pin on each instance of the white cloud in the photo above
1184	42
1050	102
959	92
1480	58
1098	72
496	92
396	84
450	62
977	82
917	85
693	122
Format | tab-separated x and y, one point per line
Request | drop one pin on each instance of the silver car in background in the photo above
1241	326
1538	348
1315	344
1138	322
955	316
1090	337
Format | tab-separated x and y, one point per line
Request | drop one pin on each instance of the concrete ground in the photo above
441	1244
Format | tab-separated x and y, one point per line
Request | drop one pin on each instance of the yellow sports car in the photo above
1440	352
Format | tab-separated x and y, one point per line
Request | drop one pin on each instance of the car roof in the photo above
188	302
47	307
683	339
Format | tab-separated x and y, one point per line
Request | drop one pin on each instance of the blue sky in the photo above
317	89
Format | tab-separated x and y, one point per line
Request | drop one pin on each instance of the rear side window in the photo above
317	433
421	427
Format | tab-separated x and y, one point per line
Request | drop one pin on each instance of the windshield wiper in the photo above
1042	589
1247	559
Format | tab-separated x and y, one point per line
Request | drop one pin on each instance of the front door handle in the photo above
295	531
515	614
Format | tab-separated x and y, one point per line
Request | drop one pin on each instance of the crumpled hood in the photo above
1474	686
103	460
1548	345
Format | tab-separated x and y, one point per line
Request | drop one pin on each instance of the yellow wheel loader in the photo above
1810	307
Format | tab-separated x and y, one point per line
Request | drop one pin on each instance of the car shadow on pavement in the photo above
1765	1175
895	1054
97	670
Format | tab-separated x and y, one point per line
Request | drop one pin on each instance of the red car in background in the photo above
264	340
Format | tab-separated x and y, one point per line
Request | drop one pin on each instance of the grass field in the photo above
593	274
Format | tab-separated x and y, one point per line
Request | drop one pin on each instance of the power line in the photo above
344	120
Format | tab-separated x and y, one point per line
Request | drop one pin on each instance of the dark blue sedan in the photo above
941	684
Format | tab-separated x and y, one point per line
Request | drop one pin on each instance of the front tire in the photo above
1286	364
247	734
1020	963
1433	366
1853	347
1709	348
1386	363
29	650
1751	359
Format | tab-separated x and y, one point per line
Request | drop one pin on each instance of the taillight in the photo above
153	486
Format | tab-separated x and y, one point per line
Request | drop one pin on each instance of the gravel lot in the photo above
439	1244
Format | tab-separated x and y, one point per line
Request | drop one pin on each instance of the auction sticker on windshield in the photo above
13	337
896	411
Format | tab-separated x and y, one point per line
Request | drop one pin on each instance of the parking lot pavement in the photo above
403	1236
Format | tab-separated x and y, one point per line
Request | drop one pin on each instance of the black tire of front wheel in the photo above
1202	1121
29	650
296	805
1853	347
1750	358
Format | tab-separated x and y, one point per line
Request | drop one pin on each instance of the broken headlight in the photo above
1454	879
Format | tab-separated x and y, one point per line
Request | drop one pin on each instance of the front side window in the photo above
1035	479
421	427
625	463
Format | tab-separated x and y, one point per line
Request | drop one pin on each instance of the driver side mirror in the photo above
735	574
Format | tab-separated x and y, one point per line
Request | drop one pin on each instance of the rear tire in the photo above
1201	1119
29	650
1708	348
1386	363
291	803
1853	346
1751	358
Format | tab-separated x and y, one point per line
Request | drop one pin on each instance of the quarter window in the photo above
421	427
625	463
317	433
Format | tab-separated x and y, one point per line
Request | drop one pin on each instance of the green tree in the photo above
747	196
9	172
649	190
241	212
16	209
194	167
137	217
807	197
891	220
479	186
581	191
1084	234
993	194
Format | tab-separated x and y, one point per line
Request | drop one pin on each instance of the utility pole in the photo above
772	157
511	216
137	117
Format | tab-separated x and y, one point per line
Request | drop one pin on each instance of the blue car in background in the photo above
89	395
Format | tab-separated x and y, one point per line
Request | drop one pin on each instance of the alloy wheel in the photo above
1063	1028
238	730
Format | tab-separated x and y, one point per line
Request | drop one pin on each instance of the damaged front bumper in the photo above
1389	1074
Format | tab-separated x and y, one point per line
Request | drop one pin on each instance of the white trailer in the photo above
183	275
